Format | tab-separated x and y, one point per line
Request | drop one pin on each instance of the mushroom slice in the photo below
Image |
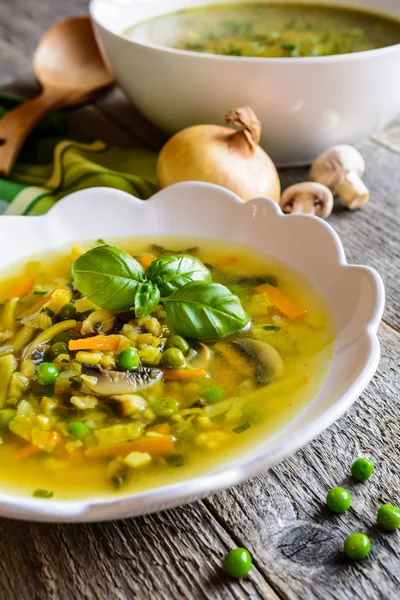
91	324
203	356
268	365
308	198
117	383
128	404
341	168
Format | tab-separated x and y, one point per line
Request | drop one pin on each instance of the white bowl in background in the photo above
355	295
305	105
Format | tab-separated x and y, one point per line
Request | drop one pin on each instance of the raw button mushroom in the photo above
340	168
308	198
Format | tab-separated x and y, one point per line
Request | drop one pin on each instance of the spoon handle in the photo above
16	125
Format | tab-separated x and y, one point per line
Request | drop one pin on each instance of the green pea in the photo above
165	407
173	358
389	517
46	373
64	336
253	413
127	360
79	430
238	562
57	349
6	415
338	500
67	312
176	341
357	546
214	394
362	469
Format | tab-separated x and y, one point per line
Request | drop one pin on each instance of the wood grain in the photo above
280	515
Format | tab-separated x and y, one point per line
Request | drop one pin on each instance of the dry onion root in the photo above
223	156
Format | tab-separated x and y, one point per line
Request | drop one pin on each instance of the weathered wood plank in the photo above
176	554
281	515
389	136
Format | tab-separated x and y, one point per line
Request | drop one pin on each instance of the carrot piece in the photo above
229	261
172	374
145	260
22	288
34	309
27	451
163	444
163	428
284	304
240	364
107	343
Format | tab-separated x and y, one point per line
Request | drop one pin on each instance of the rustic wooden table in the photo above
279	516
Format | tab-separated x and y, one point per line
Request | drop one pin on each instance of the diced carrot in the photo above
27	451
284	304
171	374
36	307
240	364
108	343
227	262
163	444
146	260
22	288
163	428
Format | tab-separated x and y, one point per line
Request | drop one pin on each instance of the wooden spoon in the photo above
69	66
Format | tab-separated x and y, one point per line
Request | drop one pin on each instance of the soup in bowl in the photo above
306	69
153	352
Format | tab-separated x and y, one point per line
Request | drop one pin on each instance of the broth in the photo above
213	417
270	30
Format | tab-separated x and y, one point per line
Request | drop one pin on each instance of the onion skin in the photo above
223	156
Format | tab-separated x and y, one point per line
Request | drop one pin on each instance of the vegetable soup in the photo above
270	30
130	366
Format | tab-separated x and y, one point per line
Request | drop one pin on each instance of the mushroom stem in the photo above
353	191
304	204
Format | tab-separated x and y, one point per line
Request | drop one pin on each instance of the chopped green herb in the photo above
42	494
75	382
101	241
241	428
47	311
271	328
39	293
175	460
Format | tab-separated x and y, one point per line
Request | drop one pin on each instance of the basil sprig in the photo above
204	310
146	299
171	273
195	307
108	276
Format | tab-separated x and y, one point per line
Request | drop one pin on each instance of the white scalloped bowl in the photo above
355	295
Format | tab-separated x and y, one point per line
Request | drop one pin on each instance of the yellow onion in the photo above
222	155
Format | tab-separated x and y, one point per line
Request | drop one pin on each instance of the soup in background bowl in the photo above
270	30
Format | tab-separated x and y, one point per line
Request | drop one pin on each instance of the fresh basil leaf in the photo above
147	298
170	273
108	276
204	310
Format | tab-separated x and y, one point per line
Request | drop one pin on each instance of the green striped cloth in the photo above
52	165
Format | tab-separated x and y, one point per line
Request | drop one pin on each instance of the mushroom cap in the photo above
308	198
118	383
266	361
332	166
